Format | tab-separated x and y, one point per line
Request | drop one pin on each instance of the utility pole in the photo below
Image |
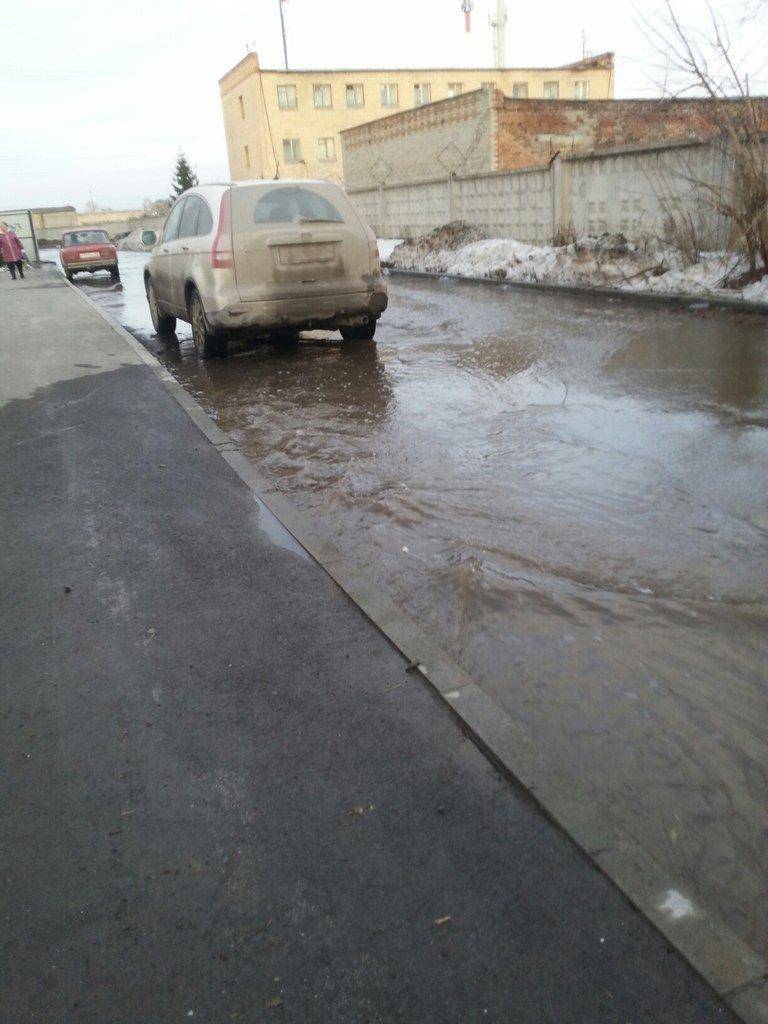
499	24
282	26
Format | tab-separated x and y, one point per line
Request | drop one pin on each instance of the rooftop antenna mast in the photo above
466	6
499	24
282	26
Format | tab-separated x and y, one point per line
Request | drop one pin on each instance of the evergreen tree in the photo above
183	176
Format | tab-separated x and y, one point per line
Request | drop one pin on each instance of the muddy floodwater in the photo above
572	496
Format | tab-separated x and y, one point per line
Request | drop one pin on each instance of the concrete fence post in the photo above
383	227
566	209
451	198
556	185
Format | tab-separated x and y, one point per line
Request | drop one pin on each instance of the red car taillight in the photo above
221	253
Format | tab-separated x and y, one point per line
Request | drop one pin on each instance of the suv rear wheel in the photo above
163	323
363	332
206	342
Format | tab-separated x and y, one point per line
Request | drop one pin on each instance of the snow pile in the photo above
386	245
608	261
757	291
432	249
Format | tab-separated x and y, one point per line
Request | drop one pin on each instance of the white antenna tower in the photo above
466	6
499	25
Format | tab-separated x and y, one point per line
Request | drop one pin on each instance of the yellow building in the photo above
289	121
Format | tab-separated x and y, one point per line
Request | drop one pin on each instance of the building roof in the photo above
602	60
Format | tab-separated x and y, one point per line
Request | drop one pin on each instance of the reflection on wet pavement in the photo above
572	496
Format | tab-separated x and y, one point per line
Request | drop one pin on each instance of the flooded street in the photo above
572	497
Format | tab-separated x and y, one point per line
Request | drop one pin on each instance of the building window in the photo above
247	157
519	90
455	89
323	98
355	96
286	97
291	151
389	95
551	90
581	90
488	85
326	149
422	93
242	107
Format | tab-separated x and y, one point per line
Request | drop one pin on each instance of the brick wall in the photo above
487	131
529	132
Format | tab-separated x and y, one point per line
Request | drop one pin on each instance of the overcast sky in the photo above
96	98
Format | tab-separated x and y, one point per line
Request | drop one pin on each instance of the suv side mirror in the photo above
148	238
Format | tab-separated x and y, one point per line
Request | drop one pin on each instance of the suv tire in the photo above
163	323
363	332
207	343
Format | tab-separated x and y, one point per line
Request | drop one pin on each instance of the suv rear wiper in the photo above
316	220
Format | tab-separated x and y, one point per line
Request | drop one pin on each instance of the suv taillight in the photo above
221	253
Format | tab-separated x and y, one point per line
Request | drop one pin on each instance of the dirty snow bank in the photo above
605	262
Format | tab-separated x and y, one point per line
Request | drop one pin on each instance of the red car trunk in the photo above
87	250
81	253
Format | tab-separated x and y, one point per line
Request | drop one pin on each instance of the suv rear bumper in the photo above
314	311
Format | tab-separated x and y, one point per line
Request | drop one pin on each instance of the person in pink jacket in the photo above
11	250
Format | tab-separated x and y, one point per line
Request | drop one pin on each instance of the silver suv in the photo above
271	257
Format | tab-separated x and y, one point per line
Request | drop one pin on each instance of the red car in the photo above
88	250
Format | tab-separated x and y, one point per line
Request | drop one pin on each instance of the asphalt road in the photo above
223	798
568	494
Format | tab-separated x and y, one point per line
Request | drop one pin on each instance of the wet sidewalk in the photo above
224	797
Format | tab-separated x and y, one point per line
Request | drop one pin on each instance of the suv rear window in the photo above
86	238
284	205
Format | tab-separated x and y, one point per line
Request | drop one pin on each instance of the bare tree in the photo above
707	62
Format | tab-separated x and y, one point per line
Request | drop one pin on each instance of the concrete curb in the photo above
728	965
676	299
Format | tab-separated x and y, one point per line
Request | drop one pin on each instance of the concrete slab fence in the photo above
632	191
